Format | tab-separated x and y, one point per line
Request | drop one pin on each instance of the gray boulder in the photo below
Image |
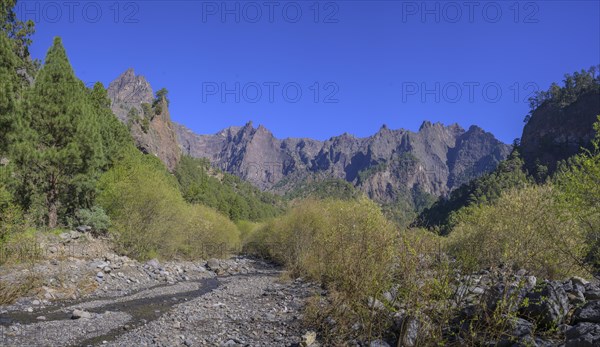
583	335
77	314
590	312
548	304
213	264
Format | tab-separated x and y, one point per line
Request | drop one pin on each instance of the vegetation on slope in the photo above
230	195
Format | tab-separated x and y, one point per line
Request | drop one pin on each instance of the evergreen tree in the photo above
59	153
115	135
8	91
19	34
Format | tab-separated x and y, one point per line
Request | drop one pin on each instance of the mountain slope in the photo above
434	160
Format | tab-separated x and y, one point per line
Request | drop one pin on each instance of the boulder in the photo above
154	264
520	333
213	264
548	304
583	335
77	314
590	312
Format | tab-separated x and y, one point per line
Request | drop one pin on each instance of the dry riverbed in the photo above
115	301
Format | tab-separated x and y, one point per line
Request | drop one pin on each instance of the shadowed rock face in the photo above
555	133
436	159
129	92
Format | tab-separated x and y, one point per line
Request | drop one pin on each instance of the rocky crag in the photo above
386	165
153	131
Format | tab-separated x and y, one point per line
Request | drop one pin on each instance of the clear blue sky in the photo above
372	60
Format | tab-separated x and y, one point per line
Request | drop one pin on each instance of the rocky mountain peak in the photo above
150	125
130	90
436	159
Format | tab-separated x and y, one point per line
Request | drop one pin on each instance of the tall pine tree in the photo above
59	153
9	85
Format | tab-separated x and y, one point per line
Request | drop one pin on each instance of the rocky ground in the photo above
87	299
87	295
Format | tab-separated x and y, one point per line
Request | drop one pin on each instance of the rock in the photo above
74	235
100	274
379	343
592	293
590	312
548	305
40	317
580	281
583	335
35	302
77	314
410	332
65	236
83	228
52	249
520	332
107	269
153	263
308	339
376	304
213	264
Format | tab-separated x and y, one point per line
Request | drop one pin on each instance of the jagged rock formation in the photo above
152	129
434	160
556	133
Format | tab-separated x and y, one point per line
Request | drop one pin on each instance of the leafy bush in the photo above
483	190
348	246
522	229
151	218
94	217
578	194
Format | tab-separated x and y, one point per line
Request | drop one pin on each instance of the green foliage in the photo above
12	220
147	110
113	133
524	228
59	152
9	90
94	217
161	95
348	246
574	86
364	175
484	190
151	218
578	185
239	200
19	33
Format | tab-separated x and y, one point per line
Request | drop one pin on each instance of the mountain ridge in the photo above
389	165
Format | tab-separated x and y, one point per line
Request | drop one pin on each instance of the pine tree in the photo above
60	149
115	135
8	92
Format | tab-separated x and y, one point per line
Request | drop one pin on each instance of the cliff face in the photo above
555	133
152	128
436	159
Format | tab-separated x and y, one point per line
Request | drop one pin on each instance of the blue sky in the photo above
318	69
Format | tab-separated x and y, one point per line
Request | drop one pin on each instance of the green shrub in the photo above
151	218
522	229
348	246
94	217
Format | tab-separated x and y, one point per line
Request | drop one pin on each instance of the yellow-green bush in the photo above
346	245
150	217
522	229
